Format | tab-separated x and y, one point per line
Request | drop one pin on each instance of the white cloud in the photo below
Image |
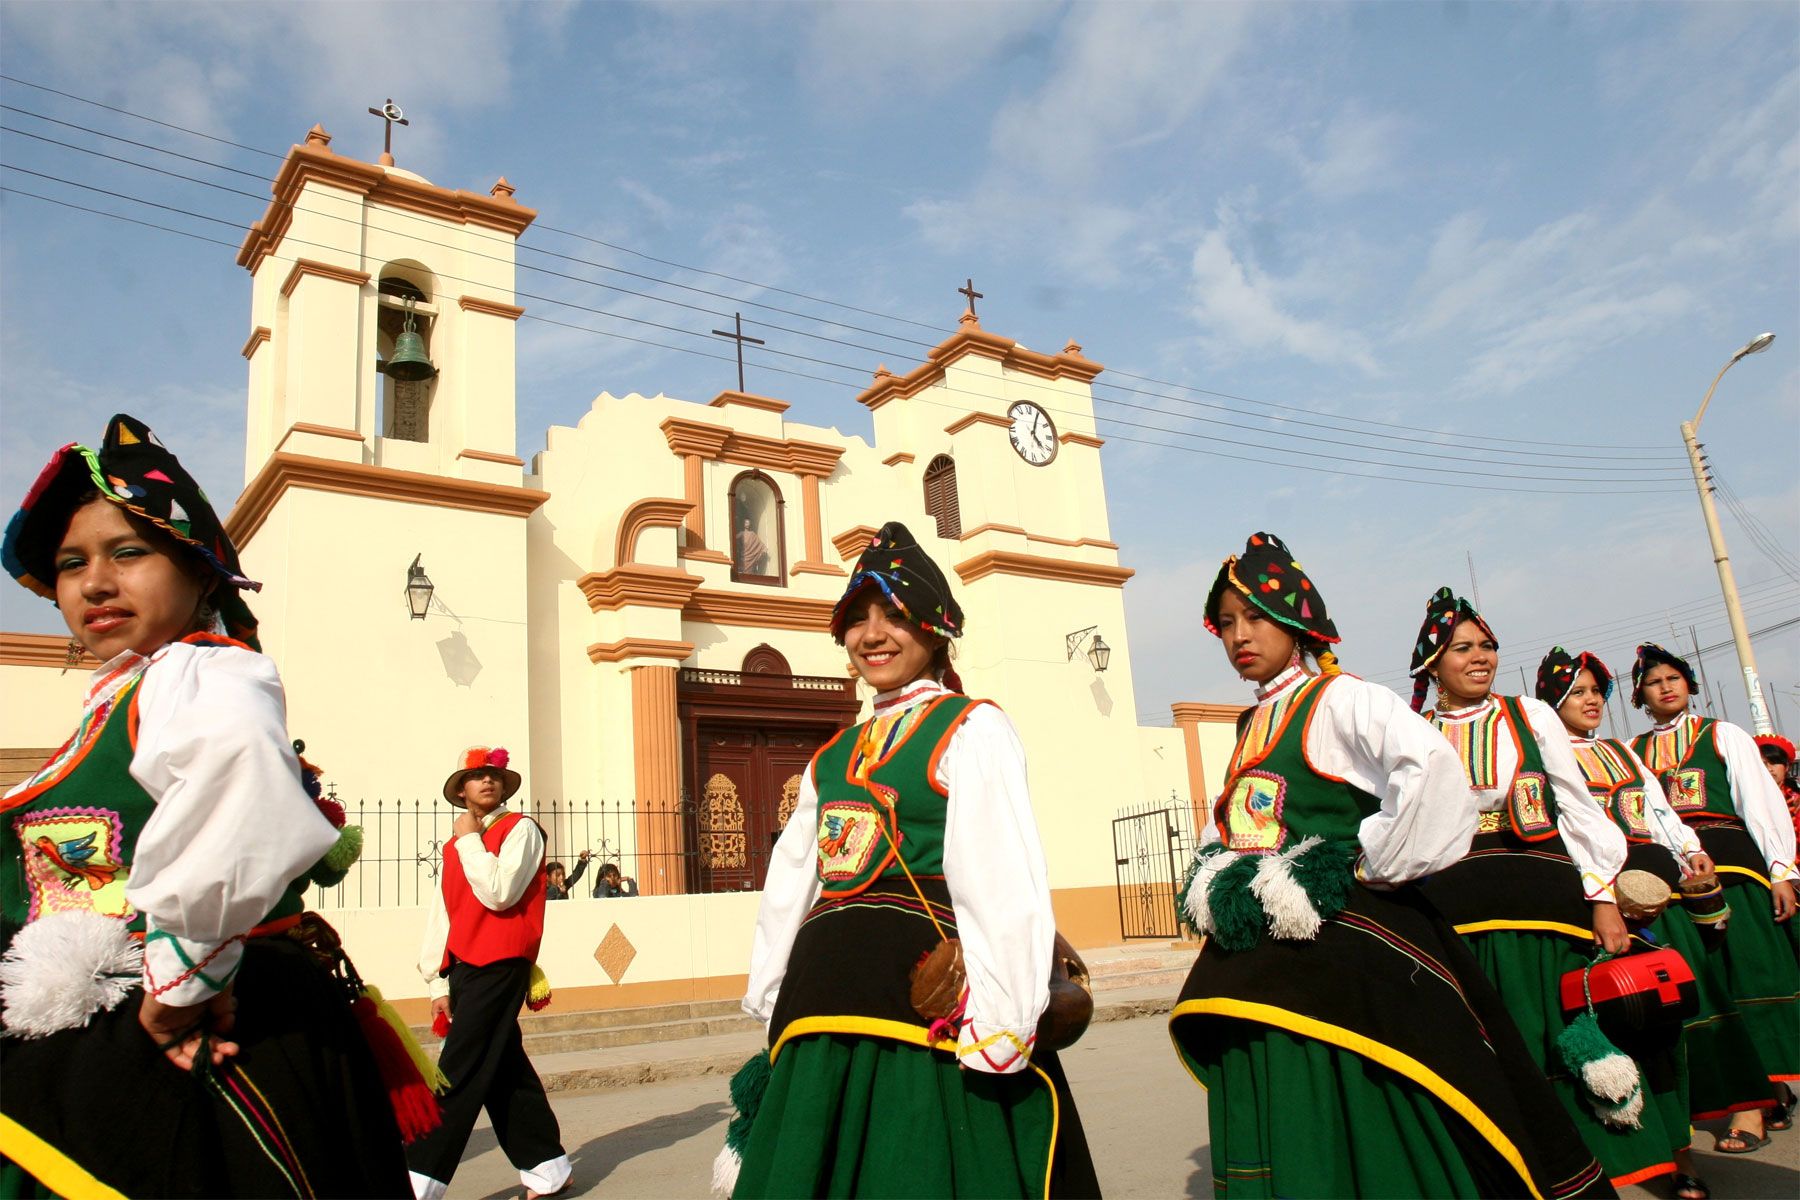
1358	152
1240	308
858	53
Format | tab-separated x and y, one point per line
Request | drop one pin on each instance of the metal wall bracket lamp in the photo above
418	589
1099	654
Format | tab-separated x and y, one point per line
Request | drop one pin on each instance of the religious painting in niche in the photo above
758	549
405	403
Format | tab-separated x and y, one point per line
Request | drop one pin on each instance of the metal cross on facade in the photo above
390	113
740	337
968	289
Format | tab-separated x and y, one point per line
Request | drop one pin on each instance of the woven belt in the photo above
1491	822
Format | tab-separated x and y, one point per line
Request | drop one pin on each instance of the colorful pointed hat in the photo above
1559	670
135	471
1649	655
909	579
1267	576
1443	613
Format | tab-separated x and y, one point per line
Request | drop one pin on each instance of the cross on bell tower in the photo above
390	113
968	289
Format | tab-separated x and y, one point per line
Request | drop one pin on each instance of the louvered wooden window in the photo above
940	496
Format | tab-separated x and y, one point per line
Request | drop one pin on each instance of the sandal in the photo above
1781	1118
1749	1142
1691	1187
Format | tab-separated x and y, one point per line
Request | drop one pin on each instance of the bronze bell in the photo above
409	363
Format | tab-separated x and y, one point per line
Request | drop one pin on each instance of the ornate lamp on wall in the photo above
1099	654
418	589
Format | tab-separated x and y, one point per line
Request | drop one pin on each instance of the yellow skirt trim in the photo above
1746	872
1401	1064
1574	931
912	1035
50	1166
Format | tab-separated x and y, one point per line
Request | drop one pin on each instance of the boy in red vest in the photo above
480	945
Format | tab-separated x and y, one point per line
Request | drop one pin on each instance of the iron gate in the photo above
1151	848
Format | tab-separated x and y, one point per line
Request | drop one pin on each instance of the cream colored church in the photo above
639	613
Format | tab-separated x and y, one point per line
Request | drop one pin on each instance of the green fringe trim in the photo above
1238	918
330	870
1182	915
1326	873
747	1088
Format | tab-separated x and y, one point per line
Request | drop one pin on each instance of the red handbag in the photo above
1639	992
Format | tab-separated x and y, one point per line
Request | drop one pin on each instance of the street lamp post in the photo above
1740	633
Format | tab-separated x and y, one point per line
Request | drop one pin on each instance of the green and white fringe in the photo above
1235	898
747	1088
1607	1074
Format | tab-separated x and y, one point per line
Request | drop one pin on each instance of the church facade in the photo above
640	612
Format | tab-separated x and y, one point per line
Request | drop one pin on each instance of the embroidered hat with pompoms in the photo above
482	758
138	473
1443	613
1557	674
1650	655
1267	576
905	574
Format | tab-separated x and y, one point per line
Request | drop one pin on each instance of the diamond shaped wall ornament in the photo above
614	954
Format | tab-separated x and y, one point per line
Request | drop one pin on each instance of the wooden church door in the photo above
749	783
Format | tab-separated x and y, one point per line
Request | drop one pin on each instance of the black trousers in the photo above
484	1059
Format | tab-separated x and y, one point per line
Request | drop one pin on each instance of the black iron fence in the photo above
1152	846
660	848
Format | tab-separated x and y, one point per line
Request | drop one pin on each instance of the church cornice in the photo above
723	444
314	161
303	267
758	610
1190	712
1033	566
853	541
635	584
619	651
971	338
286	470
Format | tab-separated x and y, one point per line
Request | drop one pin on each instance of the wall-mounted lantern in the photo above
1099	654
418	589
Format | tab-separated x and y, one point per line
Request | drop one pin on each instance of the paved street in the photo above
1146	1123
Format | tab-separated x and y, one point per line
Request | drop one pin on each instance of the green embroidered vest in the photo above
1615	782
871	798
1692	771
69	840
1275	797
1530	799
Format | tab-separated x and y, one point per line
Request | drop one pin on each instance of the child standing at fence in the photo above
479	959
1347	1040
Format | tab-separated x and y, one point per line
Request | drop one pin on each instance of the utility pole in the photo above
1740	633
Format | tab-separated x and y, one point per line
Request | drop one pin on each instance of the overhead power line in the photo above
1238	445
1411	434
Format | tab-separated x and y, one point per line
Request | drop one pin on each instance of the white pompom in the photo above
1624	1116
1290	910
1198	910
725	1172
62	969
1614	1077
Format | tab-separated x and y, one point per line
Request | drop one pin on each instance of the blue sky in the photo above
1424	228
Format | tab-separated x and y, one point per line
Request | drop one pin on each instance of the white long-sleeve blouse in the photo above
1754	794
1594	842
994	867
232	826
1367	736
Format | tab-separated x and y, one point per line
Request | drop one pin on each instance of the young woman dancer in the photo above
172	1025
1711	1068
1534	897
1347	1040
1716	781
911	828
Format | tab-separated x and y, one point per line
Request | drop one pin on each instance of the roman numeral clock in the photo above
1033	433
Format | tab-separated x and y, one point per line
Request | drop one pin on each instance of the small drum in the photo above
1703	896
1642	896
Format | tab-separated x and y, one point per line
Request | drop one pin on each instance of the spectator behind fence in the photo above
556	883
611	883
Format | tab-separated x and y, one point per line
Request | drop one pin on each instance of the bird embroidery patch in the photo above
1252	823
1530	813
848	835
1687	789
72	862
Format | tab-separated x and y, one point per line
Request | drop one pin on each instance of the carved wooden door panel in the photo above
785	758
729	779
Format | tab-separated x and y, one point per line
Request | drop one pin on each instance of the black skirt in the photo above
300	1111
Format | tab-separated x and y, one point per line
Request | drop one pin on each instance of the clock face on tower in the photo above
1033	433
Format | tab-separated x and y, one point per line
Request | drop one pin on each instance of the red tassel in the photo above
415	1107
440	1025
